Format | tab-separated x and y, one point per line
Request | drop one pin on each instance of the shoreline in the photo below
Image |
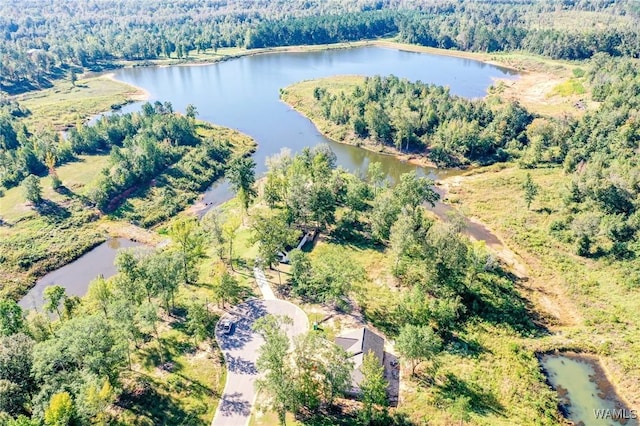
518	87
140	94
389	151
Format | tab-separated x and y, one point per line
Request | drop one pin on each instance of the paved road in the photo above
263	284
240	349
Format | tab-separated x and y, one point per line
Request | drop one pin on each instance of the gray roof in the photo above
357	343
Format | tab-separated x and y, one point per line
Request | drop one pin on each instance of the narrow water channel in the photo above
76	276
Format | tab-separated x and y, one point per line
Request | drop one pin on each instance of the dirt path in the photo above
544	292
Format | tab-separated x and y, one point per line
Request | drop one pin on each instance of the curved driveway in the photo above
240	349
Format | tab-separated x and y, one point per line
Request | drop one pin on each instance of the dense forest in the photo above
420	117
40	44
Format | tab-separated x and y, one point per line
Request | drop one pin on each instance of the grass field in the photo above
65	105
590	302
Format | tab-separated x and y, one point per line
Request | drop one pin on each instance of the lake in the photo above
244	94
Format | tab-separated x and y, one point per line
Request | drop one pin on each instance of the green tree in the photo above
191	112
130	278
12	398
403	239
383	215
301	273
376	176
50	162
447	259
16	381
11	318
186	234
101	293
378	122
93	402
53	296
276	381
60	410
242	177
213	227
357	197
413	190
373	388
227	289
417	344
200	321
273	235
32	189
162	271
530	190
322	205
333	274
322	370
148	317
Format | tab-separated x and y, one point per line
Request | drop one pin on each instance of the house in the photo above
357	343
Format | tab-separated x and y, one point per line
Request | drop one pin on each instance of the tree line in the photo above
41	45
425	118
155	143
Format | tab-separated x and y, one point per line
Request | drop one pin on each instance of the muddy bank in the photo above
585	394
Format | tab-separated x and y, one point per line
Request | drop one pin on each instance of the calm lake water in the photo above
244	94
582	388
76	276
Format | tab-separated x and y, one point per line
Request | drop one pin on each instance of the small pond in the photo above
586	396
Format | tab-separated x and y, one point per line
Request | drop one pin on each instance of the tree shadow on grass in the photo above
353	234
383	318
63	190
480	402
171	349
465	347
52	212
145	402
495	299
337	416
